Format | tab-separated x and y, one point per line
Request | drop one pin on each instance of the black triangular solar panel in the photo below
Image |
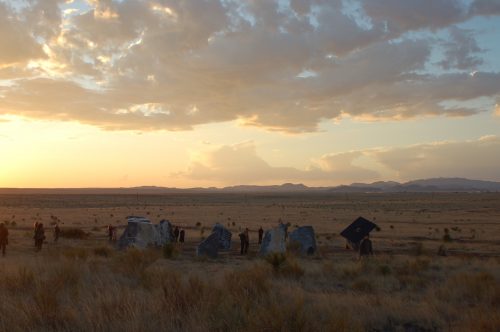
359	228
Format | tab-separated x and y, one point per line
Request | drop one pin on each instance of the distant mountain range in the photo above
424	185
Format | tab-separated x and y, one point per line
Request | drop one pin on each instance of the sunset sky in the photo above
110	93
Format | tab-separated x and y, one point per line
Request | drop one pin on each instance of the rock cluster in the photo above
141	233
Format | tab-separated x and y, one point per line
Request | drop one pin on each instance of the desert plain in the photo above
84	283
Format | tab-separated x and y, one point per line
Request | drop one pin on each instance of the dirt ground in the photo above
85	284
407	221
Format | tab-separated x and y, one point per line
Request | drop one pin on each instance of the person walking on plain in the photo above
4	237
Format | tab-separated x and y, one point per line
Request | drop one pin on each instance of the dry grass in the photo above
87	285
141	291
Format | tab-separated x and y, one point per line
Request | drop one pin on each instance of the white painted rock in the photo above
141	233
274	240
306	239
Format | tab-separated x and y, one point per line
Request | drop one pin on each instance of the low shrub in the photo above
291	269
284	266
293	247
276	260
75	253
419	249
133	261
472	288
384	270
22	280
447	238
169	251
73	233
248	283
102	251
363	285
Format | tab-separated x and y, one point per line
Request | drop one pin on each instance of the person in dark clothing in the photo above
4	237
110	233
247	241
242	243
35	227
365	247
57	232
261	233
181	236
39	236
176	234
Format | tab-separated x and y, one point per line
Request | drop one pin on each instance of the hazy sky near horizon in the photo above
110	93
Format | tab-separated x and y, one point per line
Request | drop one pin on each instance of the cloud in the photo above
240	164
341	167
485	7
461	51
16	43
153	65
476	159
402	16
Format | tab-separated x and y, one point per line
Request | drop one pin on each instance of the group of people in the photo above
38	236
365	246
245	240
179	235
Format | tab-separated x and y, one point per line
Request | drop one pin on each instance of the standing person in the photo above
181	236
176	234
365	247
261	232
39	236
113	234
247	240
284	226
35	227
4	237
242	243
57	232
110	232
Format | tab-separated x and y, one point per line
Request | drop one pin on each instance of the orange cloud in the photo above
240	163
230	62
